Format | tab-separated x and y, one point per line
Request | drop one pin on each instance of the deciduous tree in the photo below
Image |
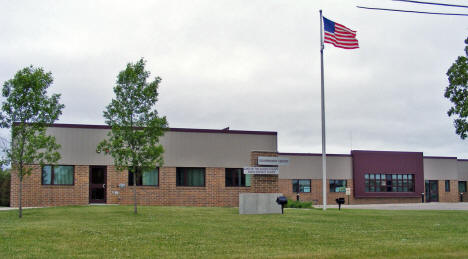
27	110
457	93
136	127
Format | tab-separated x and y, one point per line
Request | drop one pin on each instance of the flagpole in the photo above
324	156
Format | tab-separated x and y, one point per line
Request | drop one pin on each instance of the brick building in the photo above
205	168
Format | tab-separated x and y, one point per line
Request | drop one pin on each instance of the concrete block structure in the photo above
205	167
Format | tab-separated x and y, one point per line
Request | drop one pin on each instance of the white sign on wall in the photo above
348	191
272	160
261	170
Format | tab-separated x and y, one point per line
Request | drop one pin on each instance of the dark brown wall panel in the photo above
387	162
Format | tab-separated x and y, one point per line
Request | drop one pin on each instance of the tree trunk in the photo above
134	192
20	197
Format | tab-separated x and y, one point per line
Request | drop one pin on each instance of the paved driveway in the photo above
406	206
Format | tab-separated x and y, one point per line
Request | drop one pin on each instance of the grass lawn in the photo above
113	232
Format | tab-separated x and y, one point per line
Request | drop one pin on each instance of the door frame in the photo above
428	189
91	167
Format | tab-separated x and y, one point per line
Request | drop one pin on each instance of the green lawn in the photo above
113	232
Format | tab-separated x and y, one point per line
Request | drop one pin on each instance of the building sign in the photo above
272	160
261	170
348	191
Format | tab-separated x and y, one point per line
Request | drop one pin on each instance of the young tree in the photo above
27	110
457	93
135	125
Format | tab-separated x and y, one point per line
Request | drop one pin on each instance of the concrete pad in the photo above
405	206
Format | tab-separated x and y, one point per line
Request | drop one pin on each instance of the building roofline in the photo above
313	154
225	131
349	155
441	157
385	151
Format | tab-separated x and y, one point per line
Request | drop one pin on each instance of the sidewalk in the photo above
10	208
405	206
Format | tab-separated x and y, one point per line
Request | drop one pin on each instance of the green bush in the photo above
4	188
299	204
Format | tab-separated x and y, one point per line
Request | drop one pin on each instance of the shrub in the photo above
298	204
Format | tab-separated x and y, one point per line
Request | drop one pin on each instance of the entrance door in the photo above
97	184
432	191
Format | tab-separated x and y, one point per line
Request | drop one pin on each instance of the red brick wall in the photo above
36	195
315	194
263	183
215	193
167	193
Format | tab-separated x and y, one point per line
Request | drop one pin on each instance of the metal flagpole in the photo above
324	155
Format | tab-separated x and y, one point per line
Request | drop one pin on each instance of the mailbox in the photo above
282	200
340	201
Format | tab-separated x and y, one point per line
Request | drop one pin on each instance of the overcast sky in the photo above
252	65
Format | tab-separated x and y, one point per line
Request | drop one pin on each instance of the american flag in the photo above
339	35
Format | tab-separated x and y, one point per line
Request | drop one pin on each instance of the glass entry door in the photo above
97	184
432	191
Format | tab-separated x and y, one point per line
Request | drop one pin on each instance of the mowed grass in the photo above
178	232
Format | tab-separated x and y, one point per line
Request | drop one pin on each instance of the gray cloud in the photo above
251	65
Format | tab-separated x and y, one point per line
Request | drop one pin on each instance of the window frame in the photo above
130	177
390	183
243	176
334	184
299	186
447	186
52	177
192	186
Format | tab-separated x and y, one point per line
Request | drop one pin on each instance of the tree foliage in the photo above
27	110
133	141
457	93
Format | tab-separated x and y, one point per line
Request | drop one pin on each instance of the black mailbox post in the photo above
340	201
282	200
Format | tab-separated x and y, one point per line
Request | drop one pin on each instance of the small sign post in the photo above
348	193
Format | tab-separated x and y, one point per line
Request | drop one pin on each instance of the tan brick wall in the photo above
315	194
452	196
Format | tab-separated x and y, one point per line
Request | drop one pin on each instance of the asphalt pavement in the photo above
405	206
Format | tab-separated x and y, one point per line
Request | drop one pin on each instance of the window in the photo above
337	185
389	182
447	185
190	176
58	175
149	177
462	186
236	177
301	185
